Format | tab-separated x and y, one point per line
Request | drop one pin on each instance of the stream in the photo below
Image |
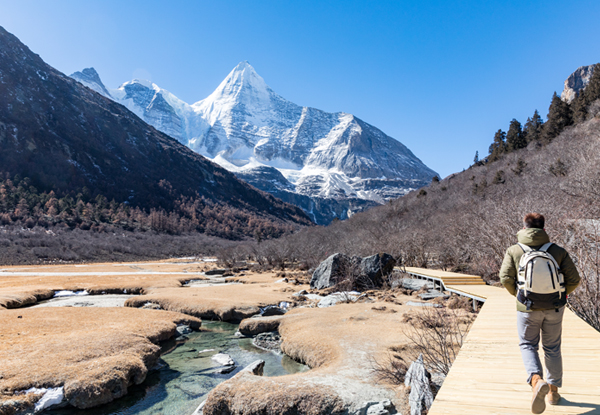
184	376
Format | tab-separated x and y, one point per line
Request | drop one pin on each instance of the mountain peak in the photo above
241	86
243	78
243	65
90	78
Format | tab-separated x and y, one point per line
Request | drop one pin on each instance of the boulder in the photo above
421	396
256	367
272	310
366	272
416	284
333	270
373	268
256	325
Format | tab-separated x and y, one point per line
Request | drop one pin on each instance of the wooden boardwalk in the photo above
449	278
488	376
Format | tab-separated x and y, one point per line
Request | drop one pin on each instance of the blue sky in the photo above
440	76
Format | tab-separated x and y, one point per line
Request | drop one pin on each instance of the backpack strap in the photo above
524	247
545	247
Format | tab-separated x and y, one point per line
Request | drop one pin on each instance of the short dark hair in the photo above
534	220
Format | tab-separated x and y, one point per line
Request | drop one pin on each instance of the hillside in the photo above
80	150
466	221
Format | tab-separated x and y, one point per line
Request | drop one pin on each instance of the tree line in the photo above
23	204
560	115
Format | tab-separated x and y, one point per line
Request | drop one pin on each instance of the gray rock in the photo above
577	81
300	293
215	272
268	341
272	310
331	271
340	297
433	294
415	304
373	268
223	359
437	380
256	367
183	329
416	284
375	408
421	396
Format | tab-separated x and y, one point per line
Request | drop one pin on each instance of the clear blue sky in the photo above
440	76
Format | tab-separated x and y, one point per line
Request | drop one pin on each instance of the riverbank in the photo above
97	353
94	353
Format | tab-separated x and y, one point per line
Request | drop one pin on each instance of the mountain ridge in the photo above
65	137
244	124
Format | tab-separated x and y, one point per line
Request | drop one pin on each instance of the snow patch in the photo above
67	293
52	396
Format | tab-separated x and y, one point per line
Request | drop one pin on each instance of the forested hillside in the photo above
466	221
70	157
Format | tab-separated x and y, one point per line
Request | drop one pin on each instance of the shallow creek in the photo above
185	376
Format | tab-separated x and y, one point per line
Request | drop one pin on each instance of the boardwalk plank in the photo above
488	377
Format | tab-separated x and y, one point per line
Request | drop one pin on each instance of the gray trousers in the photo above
549	324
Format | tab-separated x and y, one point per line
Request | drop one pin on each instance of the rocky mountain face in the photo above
576	82
65	137
330	164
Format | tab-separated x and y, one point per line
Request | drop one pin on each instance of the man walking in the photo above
541	275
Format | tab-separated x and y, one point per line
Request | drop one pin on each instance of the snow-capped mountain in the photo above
338	162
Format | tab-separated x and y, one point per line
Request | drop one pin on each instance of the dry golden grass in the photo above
95	353
18	291
256	325
249	394
219	302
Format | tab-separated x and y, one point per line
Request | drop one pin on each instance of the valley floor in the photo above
97	353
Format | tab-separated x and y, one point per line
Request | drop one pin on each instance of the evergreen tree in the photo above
592	90
559	117
498	147
585	97
515	139
476	159
533	128
578	107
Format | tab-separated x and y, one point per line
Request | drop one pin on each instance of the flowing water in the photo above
186	376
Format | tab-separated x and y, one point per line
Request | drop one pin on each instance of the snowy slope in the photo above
244	125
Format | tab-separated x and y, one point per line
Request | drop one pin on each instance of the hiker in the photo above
541	275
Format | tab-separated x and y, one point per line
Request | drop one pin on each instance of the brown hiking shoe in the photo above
553	395
540	390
